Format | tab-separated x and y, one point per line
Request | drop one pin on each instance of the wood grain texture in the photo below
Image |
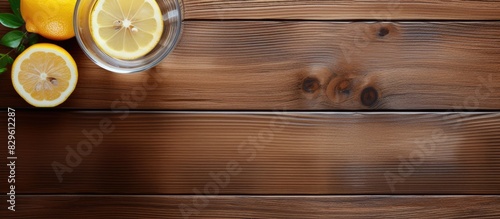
258	207
289	153
386	10
305	66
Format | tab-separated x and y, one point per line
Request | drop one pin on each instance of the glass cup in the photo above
172	18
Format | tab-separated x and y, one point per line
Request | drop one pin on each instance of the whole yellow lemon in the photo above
53	19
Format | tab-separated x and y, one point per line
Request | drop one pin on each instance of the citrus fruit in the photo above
53	19
44	75
126	29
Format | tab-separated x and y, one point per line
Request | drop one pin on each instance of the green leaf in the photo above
12	39
10	20
32	39
5	60
15	5
21	48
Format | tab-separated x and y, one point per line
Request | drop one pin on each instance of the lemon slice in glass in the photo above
126	29
44	75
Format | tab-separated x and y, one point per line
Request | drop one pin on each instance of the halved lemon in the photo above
44	75
126	29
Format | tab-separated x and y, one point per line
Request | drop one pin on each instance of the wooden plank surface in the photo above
304	66
253	153
343	9
257	207
263	55
386	10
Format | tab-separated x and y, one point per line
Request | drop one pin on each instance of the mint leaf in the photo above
12	39
15	5
2	70
10	20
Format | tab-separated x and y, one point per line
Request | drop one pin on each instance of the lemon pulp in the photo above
44	75
126	29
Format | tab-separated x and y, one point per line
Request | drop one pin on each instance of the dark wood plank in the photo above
291	153
343	9
305	65
257	207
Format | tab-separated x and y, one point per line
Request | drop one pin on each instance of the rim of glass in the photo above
127	70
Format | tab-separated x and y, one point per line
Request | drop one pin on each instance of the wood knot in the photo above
369	96
384	31
310	85
344	87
